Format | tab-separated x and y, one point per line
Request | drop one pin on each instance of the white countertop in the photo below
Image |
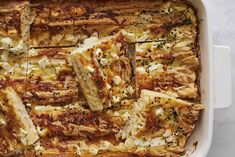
222	13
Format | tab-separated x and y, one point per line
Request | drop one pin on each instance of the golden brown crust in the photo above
50	78
14	24
16	128
164	34
99	69
168	66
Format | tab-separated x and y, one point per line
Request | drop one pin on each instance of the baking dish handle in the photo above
222	77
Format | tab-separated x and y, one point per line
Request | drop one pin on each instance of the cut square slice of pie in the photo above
104	69
14	25
50	78
168	67
160	125
16	128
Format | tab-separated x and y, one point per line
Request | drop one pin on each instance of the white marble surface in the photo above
222	13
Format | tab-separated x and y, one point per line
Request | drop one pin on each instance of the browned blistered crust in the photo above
14	21
61	88
108	82
66	23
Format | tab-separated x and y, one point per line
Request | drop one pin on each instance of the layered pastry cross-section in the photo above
104	69
16	128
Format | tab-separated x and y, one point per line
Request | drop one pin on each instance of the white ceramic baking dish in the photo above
215	79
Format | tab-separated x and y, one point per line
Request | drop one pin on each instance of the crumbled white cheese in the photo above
114	56
38	146
140	69
157	141
19	48
155	67
43	62
159	111
146	144
57	61
2	120
28	104
170	138
115	99
167	133
93	149
6	42
33	52
5	65
125	116
139	49
98	53
116	113
90	42
90	69
41	131
104	61
138	142
117	80
130	90
124	91
108	86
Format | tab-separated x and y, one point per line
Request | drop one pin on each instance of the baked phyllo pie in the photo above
16	127
160	125
168	67
154	125
50	77
14	25
75	130
98	78
104	70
